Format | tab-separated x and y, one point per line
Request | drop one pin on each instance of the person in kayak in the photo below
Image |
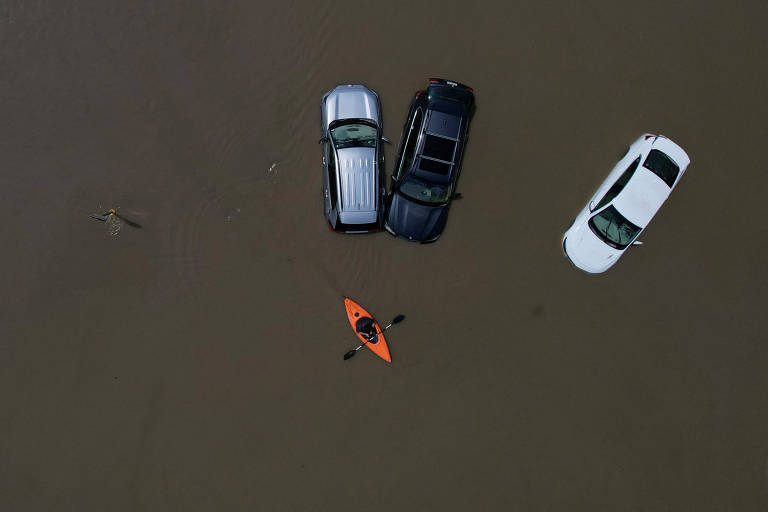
368	330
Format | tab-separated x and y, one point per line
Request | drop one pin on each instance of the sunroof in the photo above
438	147
434	166
444	124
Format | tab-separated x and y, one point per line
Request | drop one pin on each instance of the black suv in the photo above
429	160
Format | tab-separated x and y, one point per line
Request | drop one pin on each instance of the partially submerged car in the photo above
429	160
625	203
353	159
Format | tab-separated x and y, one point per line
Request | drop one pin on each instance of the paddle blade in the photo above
349	354
398	319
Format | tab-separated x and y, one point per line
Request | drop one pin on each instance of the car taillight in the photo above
451	83
419	93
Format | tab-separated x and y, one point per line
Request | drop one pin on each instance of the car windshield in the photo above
424	191
354	135
612	228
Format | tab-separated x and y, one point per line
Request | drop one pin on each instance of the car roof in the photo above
439	149
642	197
443	124
358	185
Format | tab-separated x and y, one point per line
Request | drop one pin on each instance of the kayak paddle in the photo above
396	320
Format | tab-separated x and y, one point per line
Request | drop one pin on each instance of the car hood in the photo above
587	251
415	221
352	102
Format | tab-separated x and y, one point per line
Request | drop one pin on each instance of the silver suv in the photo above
353	159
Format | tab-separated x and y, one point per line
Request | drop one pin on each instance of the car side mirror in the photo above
386	140
591	206
637	242
457	195
323	140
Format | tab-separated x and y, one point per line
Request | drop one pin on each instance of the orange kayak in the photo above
360	319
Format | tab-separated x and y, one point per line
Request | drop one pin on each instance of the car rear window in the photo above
662	166
438	147
434	166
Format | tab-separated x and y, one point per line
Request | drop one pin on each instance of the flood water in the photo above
196	363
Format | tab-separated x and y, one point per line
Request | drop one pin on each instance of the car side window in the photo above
410	143
332	174
619	185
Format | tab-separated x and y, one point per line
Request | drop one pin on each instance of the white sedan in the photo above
625	203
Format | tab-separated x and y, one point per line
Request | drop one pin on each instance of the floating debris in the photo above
104	216
114	221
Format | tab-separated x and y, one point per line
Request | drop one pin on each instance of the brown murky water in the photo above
196	363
